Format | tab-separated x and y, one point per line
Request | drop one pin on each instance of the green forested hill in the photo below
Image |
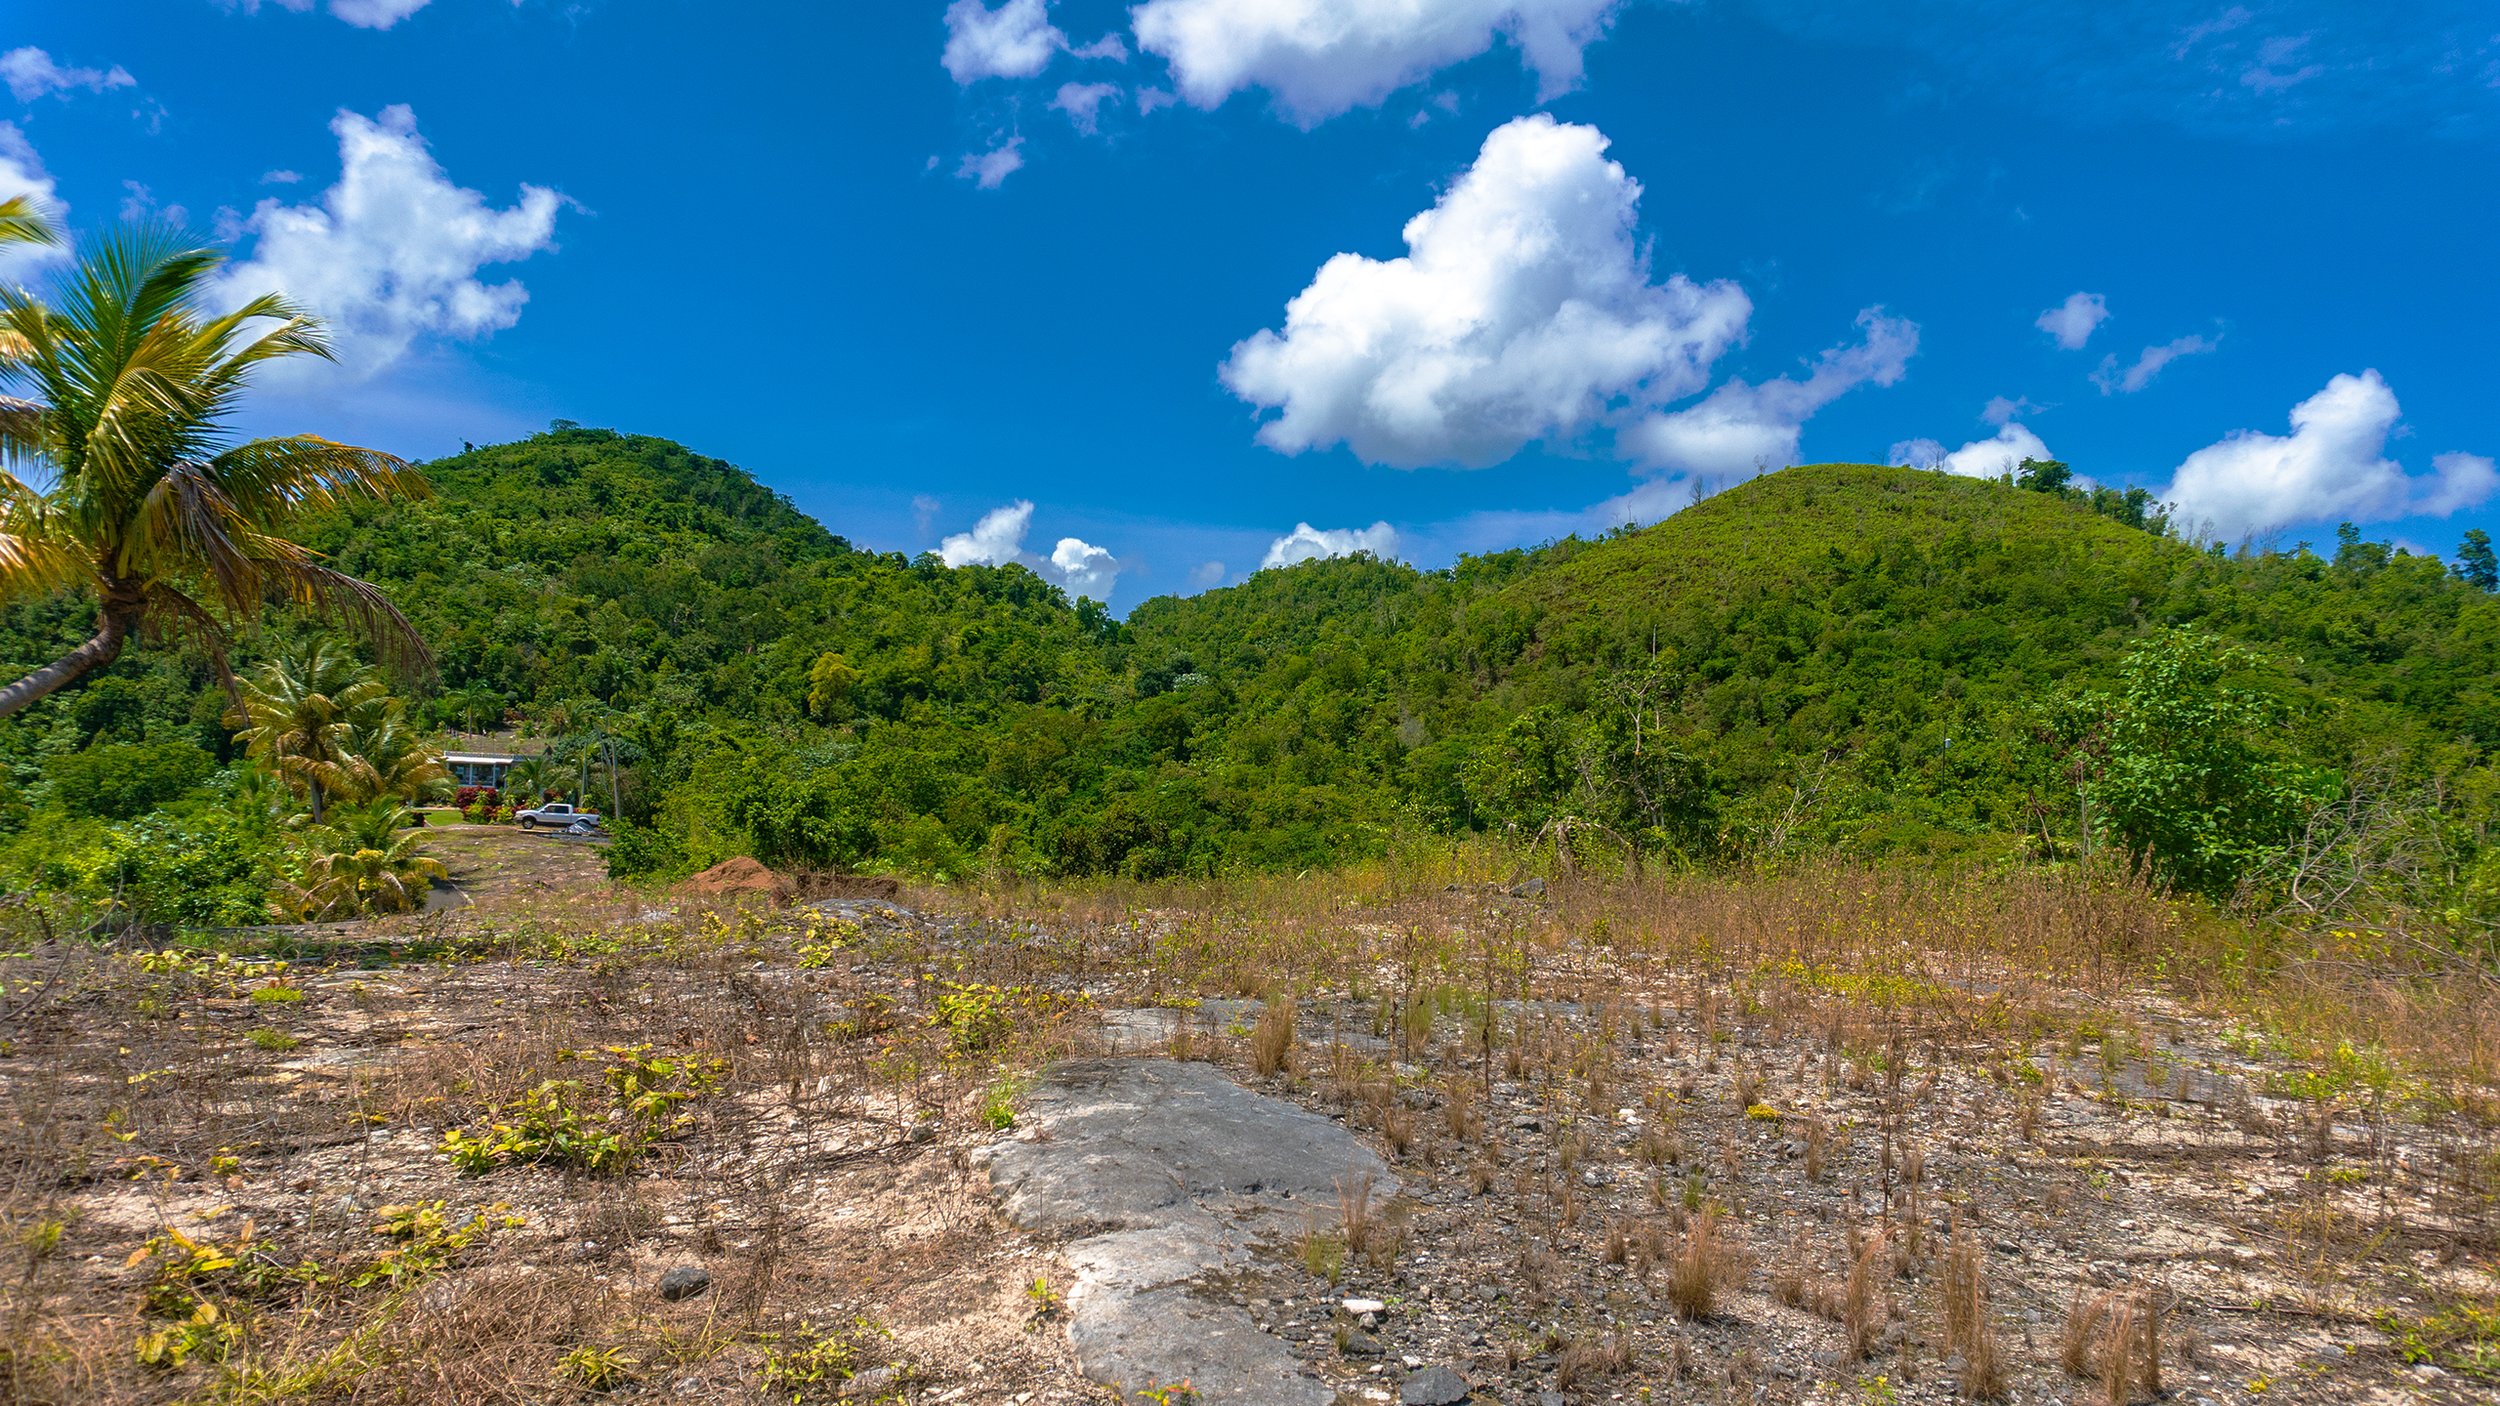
1878	660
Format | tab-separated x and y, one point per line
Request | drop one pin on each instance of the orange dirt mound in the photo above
736	876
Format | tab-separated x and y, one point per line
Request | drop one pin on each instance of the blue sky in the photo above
1157	269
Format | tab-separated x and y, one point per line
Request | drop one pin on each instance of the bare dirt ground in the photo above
457	1158
501	863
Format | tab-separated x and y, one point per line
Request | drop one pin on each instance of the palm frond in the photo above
173	616
187	519
335	595
22	221
297	473
36	556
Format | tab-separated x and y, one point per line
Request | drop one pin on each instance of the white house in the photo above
478	768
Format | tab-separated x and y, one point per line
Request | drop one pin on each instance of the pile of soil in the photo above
732	877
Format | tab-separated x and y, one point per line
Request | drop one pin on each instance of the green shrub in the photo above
601	1129
125	780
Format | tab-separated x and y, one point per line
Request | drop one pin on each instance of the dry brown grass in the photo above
2084	1313
1271	1040
1920	997
1967	1327
1707	1266
1862	1308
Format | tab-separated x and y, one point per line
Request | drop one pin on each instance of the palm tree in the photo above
528	780
474	706
127	381
367	862
388	758
298	716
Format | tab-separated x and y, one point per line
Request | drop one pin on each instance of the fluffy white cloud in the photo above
1319	58
140	203
2113	380
2000	409
998	540
2000	453
1082	102
375	14
1522	310
989	169
2458	482
1016	40
31	74
1308	543
1083	568
392	252
1206	574
2072	321
1742	428
22	173
364	14
2333	465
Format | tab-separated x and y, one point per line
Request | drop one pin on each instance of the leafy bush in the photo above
122	780
601	1130
203	865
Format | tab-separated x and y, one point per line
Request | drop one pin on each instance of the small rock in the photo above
1533	888
870	1383
684	1282
1362	1307
1354	1342
1434	1386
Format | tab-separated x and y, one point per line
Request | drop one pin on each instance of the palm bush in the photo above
364	860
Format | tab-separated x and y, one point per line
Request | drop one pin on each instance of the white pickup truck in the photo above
559	814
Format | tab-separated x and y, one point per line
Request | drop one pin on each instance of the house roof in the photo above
480	758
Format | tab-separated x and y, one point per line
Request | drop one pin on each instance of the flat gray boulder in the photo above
1159	1173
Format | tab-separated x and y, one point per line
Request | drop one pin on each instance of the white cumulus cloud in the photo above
1522	310
997	539
1082	102
1318	58
22	174
2001	409
392	252
2114	380
1308	543
375	14
2072	322
364	14
1016	40
31	73
2333	465
1082	568
1743	428
2000	453
990	169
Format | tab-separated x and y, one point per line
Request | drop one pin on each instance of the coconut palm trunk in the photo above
119	613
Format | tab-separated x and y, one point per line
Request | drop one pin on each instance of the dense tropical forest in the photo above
1839	658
